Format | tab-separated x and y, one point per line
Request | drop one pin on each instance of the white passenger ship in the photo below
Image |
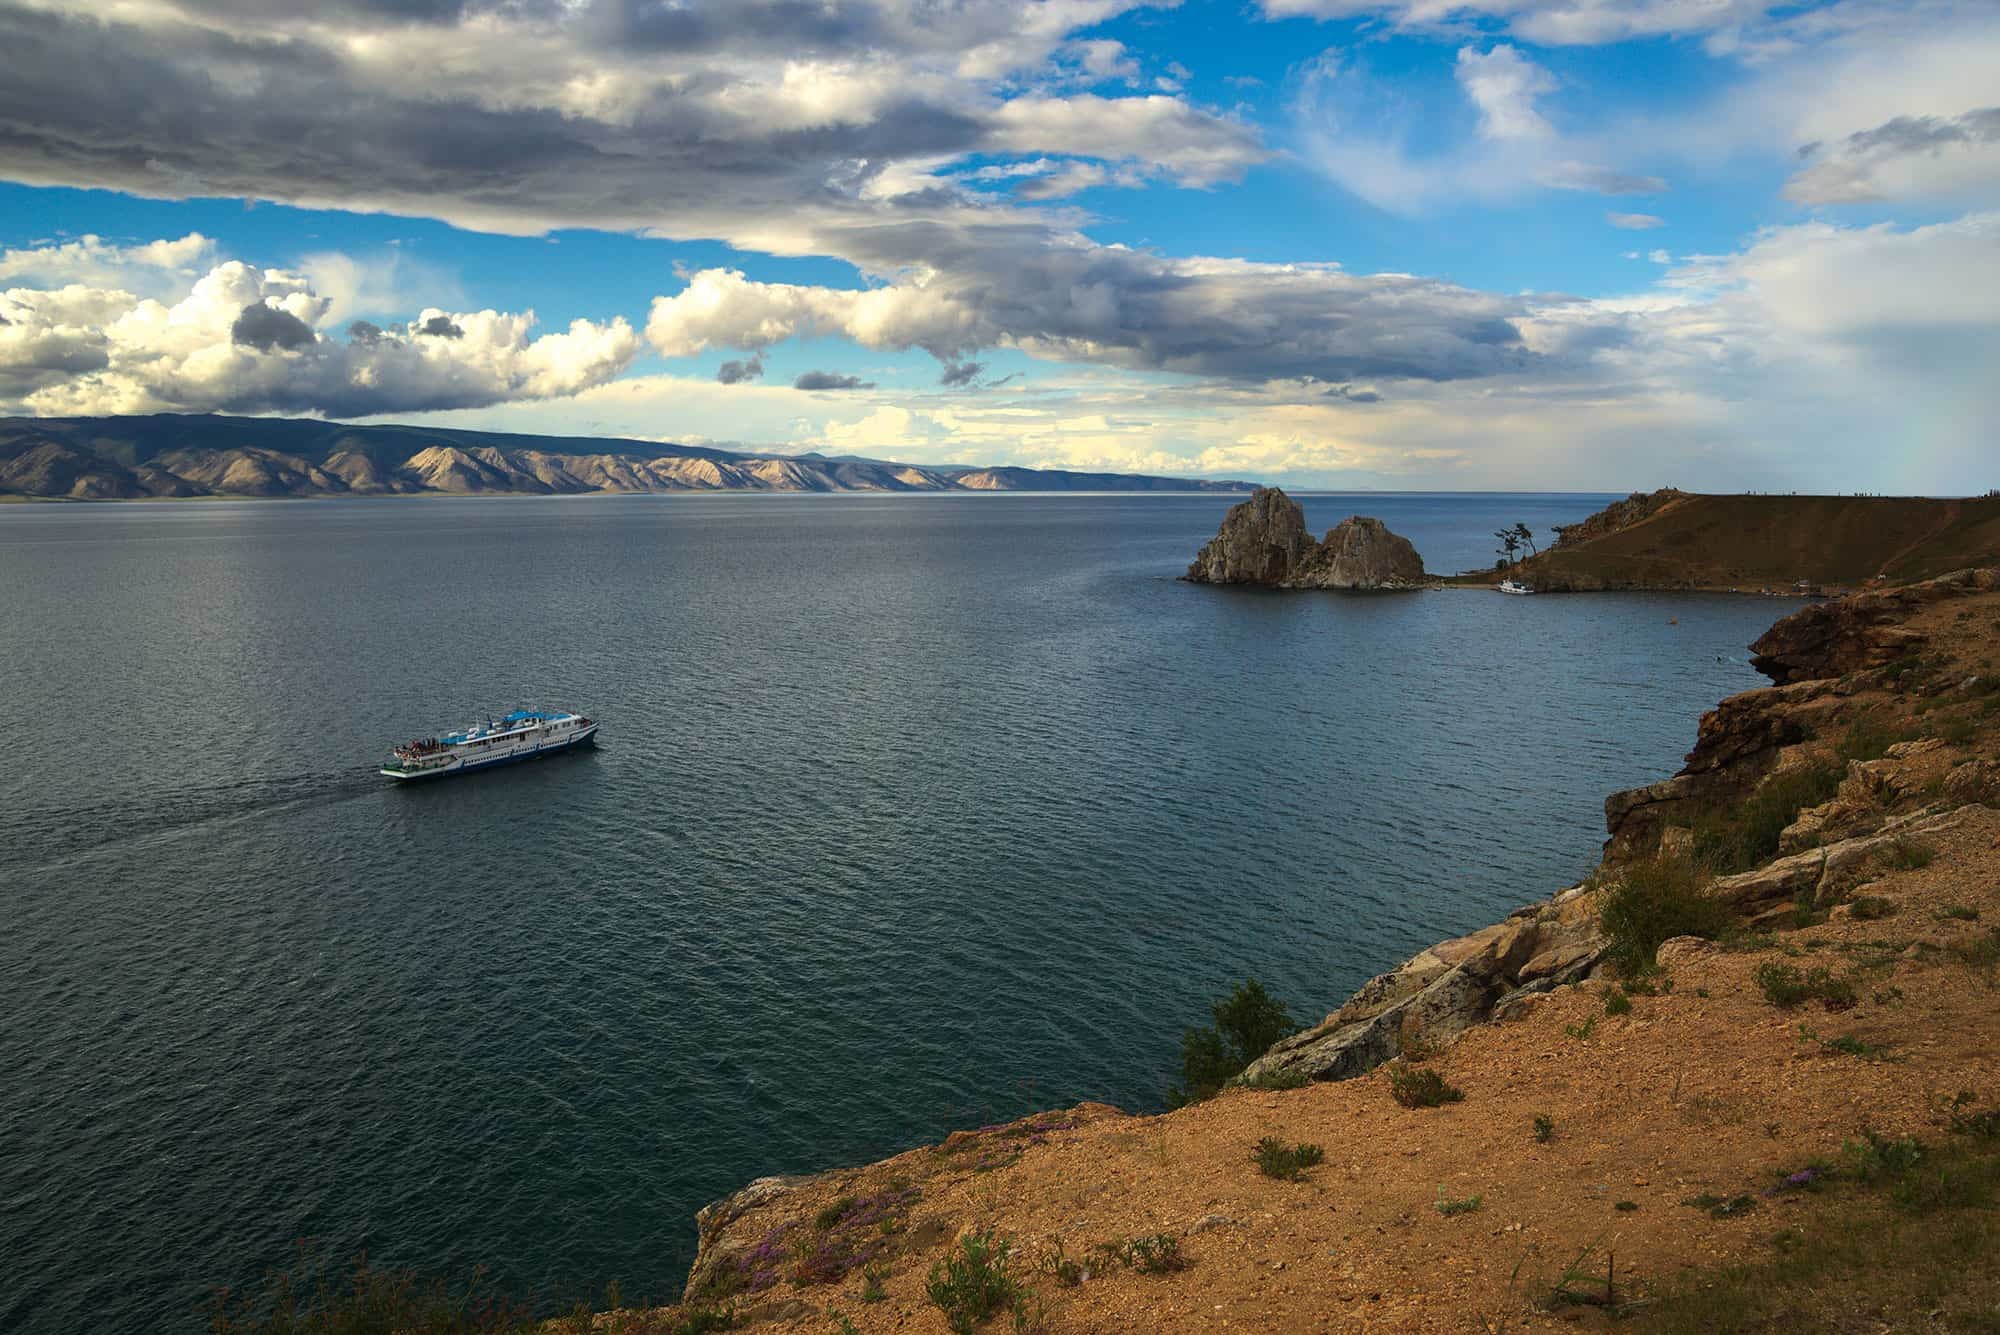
522	735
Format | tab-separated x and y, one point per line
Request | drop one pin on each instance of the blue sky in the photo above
1398	243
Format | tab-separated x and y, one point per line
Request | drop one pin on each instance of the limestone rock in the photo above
1264	541
1361	553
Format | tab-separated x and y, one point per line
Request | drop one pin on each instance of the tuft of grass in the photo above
1786	987
1979	952
1958	913
1448	1207
1719	1207
1911	855
1421	1087
1287	1163
1545	1129
1870	908
1626	1207
1583	1031
1156	1253
1057	1263
1654	900
873	1277
974	1281
1867	738
1617	1003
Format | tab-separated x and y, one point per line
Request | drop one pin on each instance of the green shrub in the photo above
1421	1087
1285	1162
1617	1003
1959	912
1545	1129
312	1297
1911	855
1749	836
1247	1022
1867	738
1655	900
1785	986
1160	1253
1868	908
973	1281
1448	1207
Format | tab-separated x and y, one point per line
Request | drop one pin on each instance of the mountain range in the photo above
176	455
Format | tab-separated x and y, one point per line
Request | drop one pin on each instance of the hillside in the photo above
1680	540
170	455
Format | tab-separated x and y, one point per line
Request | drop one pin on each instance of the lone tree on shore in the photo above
1510	544
1526	535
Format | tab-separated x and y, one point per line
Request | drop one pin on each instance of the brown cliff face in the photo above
1854	634
1264	542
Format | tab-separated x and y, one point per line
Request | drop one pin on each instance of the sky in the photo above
1414	244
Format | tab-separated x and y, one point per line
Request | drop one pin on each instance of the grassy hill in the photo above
1680	540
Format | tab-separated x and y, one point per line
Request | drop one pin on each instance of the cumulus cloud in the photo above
829	380
269	329
1634	222
1909	156
738	372
1124	308
1504	84
243	339
771	124
92	259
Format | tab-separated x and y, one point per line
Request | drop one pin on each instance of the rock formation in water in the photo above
1264	541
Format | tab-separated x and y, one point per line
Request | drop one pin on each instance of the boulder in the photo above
1858	633
1264	542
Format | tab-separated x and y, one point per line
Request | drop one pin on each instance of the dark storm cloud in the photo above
828	380
736	373
439	326
364	333
267	329
960	373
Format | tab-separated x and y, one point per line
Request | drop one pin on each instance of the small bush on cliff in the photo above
1287	1163
312	1297
1247	1022
1738	841
1785	987
1421	1087
973	1281
1656	900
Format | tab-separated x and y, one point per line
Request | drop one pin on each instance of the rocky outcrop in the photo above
1856	634
1264	542
1439	993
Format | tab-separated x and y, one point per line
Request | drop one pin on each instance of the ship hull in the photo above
527	748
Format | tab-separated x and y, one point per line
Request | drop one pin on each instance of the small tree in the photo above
1526	535
1247	1022
1510	544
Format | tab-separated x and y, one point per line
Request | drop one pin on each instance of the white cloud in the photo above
1504	84
1551	22
1634	222
250	340
91	259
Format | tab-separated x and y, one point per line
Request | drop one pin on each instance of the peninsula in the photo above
1679	540
172	455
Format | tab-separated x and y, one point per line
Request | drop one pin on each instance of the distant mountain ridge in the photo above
172	454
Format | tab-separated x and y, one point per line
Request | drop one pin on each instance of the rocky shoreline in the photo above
1885	696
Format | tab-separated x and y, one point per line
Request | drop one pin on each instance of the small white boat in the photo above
1513	586
522	735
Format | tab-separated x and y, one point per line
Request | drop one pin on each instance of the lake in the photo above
909	813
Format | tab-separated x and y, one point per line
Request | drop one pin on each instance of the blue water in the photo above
909	813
